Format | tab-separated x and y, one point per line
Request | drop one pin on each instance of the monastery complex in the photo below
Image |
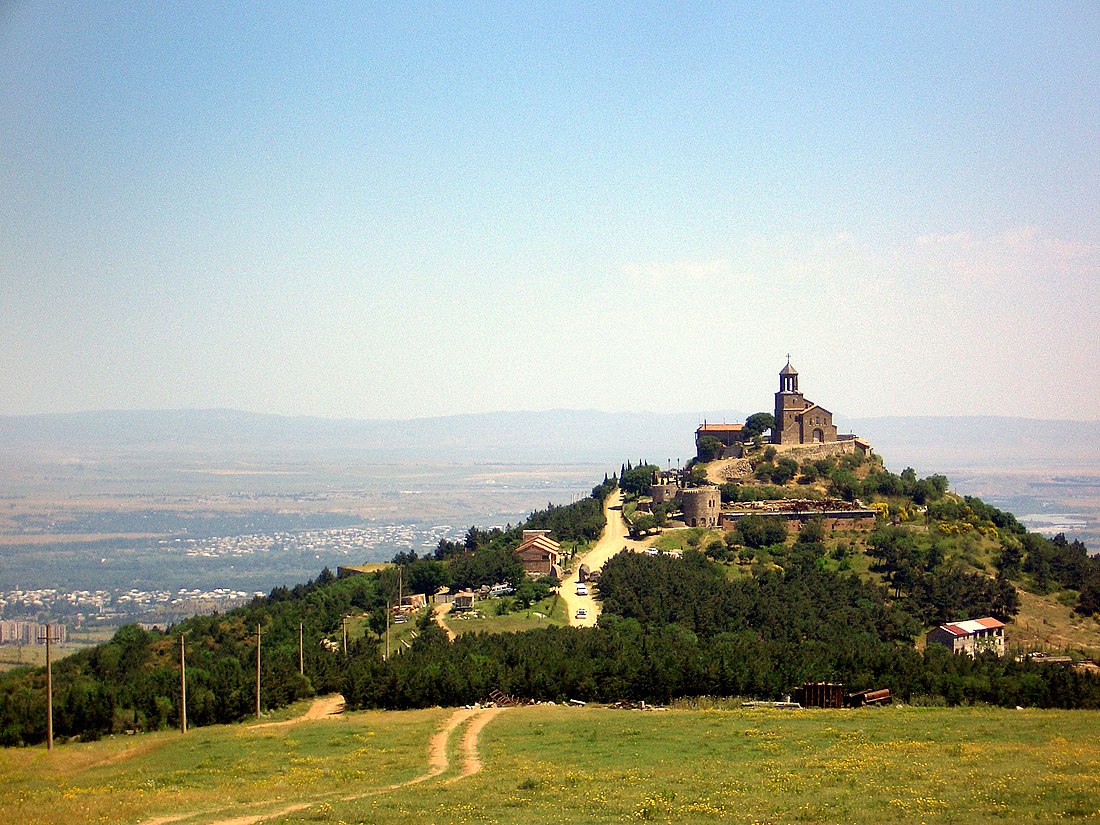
800	426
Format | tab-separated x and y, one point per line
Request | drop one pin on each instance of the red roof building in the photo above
970	637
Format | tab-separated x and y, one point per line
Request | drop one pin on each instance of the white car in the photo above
582	589
581	614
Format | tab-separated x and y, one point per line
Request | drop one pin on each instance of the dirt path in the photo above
440	611
438	763
324	707
614	539
437	748
469	743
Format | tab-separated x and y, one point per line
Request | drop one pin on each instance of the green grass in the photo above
128	779
486	620
548	764
559	765
682	538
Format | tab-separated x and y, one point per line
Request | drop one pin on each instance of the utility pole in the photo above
49	689
387	632
257	670
344	630
183	688
301	658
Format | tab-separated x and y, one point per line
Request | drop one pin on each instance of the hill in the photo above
811	606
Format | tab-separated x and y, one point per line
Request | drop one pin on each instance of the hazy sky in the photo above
399	210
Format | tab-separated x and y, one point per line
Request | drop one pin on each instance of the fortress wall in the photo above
795	521
813	452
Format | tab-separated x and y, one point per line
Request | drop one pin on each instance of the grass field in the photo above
549	611
553	764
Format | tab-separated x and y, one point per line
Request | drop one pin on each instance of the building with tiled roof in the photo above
539	554
970	637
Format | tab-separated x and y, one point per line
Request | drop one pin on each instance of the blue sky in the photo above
402	210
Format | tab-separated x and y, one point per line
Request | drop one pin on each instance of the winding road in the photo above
615	538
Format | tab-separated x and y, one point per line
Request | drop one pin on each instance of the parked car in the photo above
582	589
581	613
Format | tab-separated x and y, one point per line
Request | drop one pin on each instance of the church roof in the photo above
813	407
788	370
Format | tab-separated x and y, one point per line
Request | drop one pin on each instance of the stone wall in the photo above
813	452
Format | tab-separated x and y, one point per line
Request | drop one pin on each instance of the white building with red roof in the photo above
970	637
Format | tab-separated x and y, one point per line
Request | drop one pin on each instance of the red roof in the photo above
720	428
971	626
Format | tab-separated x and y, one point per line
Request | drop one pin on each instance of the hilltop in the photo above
783	552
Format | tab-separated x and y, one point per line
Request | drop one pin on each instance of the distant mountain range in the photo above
927	443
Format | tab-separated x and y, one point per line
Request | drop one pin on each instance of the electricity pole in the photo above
183	688
344	629
301	659
257	670
387	632
49	689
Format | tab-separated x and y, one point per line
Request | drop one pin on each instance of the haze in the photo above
373	211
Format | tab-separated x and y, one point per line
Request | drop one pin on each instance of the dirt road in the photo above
474	719
442	610
324	707
615	538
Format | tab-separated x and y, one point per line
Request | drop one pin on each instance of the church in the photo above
797	419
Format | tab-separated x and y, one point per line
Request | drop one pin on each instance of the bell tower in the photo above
788	378
788	403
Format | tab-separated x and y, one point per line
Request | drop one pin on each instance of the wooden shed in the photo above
820	695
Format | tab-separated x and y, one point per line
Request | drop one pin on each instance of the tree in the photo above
636	480
642	524
708	448
758	531
1088	603
426	576
785	469
813	530
844	485
757	424
1008	560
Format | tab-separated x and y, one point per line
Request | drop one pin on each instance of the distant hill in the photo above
554	435
927	443
948	442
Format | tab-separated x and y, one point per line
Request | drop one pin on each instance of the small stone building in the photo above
701	506
970	637
463	600
797	419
